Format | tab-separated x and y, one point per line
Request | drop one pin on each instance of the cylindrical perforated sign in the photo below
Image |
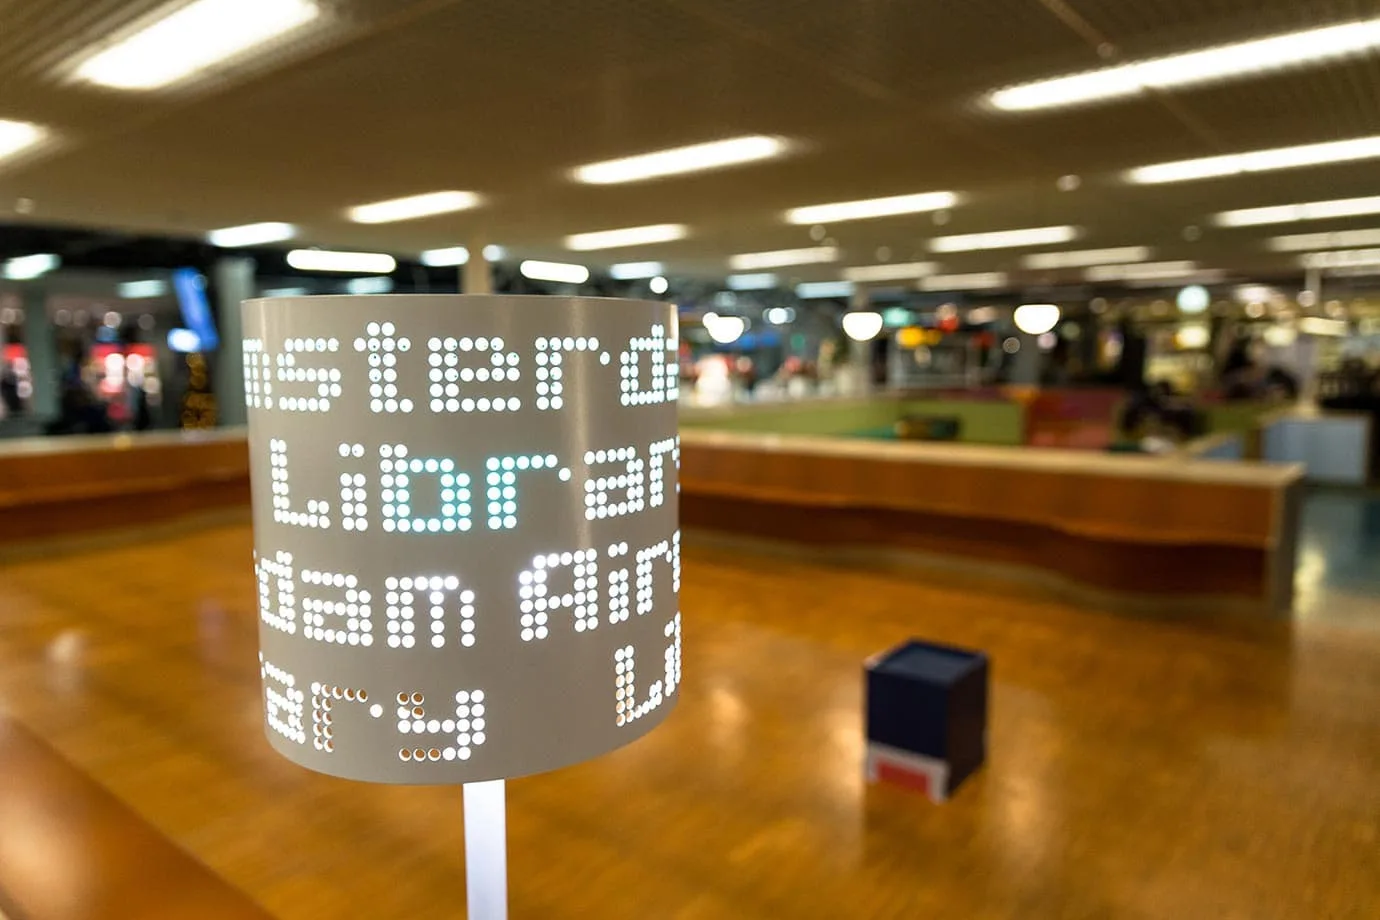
465	530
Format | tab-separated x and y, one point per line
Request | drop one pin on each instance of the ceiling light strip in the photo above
871	208
754	281
18	136
895	271
559	272
1142	271
626	237
1346	258
676	161
1004	239
1289	213
193	39
751	261
1361	148
251	235
980	281
1242	59
633	271
445	258
325	260
1084	257
413	207
1310	242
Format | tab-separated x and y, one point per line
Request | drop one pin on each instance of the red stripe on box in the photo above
902	776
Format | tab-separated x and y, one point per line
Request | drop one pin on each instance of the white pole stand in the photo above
486	851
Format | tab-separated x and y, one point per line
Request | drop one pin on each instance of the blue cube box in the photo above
926	716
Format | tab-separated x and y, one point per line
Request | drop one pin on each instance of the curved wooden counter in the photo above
70	486
1167	527
1132	526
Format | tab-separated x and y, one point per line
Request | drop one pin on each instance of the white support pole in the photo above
477	275
486	851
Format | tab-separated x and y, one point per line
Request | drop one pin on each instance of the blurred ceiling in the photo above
385	98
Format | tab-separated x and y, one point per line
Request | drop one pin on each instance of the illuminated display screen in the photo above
196	311
465	530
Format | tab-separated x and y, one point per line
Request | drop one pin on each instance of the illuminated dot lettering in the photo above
407	593
323	383
277	604
258	385
452	505
354	506
550	373
664	374
283	702
382	347
323	700
469	388
601	498
659	450
501	480
667	550
626	708
537	600
619	599
672	656
349	608
462	733
317	513
391	604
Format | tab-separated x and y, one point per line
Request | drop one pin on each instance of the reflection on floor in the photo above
1140	768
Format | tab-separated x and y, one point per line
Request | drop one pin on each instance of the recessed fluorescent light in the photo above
493	253
1316	325
1289	213
413	207
631	271
1203	276
138	290
871	207
379	284
192	39
895	271
454	255
815	290
1345	258
1004	239
756	281
1338	239
1236	60
251	235
451	255
1083	257
627	236
1143	271
325	260
1361	148
980	281
749	261
561	272
17	136
679	160
24	268
286	292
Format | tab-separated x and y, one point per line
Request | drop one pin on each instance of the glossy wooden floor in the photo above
1139	768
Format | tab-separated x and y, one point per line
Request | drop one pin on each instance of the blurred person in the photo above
80	411
1156	419
142	416
9	391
